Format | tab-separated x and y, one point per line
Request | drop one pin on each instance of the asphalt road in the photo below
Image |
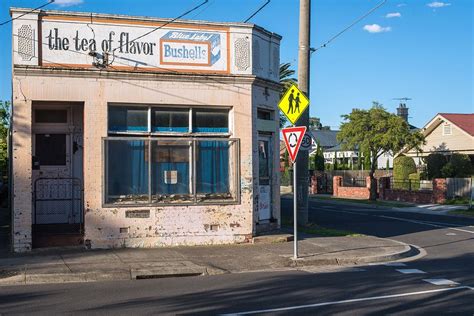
366	290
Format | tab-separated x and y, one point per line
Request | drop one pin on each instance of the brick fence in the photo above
350	192
438	195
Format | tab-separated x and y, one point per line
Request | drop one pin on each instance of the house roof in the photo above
324	138
463	121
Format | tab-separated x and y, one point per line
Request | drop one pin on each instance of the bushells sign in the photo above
176	46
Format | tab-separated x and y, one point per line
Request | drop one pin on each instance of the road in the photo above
439	283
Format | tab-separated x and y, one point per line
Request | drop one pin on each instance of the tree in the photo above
318	159
403	167
461	165
286	80
376	131
434	164
4	126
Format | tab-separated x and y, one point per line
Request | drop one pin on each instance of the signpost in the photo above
293	137
293	103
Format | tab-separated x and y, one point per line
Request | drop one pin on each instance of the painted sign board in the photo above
293	136
134	45
293	103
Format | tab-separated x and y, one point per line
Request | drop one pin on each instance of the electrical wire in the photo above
350	26
41	6
161	26
255	13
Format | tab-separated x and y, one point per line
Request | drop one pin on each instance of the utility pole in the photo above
304	46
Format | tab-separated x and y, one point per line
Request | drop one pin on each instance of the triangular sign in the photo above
293	137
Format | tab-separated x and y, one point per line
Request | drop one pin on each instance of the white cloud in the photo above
393	15
401	5
67	3
375	28
438	4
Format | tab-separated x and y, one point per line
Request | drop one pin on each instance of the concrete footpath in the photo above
79	265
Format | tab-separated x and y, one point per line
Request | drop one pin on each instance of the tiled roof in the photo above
463	121
325	138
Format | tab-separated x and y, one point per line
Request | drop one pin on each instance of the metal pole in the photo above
303	84
295	215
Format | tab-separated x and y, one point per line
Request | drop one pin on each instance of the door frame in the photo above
266	137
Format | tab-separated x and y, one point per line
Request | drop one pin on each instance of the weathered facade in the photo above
132	132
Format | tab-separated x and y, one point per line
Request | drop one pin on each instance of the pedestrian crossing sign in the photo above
293	103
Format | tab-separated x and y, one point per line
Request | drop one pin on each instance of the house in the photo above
332	150
142	132
446	133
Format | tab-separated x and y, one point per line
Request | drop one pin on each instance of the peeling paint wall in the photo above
170	225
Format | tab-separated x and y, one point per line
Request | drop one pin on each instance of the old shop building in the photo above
125	135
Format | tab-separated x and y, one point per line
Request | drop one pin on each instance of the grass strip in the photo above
314	229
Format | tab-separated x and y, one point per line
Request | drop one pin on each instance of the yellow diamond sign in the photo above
293	103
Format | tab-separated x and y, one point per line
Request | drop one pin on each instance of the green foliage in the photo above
286	177
448	171
434	165
4	126
286	80
462	165
414	180
376	131
318	159
403	166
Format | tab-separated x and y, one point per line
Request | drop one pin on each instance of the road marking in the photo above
410	271
290	308
451	234
440	282
395	264
425	223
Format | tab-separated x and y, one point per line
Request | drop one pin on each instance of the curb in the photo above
408	252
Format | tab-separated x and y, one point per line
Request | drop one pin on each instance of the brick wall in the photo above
438	195
350	192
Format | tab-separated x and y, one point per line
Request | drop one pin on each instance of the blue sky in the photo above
422	49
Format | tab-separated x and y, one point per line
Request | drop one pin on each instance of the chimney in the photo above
402	111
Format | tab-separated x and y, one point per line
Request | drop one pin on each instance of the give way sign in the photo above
293	137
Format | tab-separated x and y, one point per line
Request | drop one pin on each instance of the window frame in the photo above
189	133
233	183
450	129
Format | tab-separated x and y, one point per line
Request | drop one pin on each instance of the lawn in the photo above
314	229
368	202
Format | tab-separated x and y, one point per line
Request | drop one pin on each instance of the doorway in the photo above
57	174
265	159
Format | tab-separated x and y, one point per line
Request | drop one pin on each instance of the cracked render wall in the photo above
109	227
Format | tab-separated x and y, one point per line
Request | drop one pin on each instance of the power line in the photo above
163	25
350	26
41	6
255	13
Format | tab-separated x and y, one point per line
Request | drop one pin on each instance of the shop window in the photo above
171	171
128	119
127	177
182	171
50	116
210	121
170	120
213	168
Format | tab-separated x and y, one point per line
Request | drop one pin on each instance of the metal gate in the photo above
58	201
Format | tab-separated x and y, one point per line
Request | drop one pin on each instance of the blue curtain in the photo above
182	185
128	170
212	167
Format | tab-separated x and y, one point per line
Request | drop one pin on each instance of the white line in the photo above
289	308
425	223
440	282
395	264
410	271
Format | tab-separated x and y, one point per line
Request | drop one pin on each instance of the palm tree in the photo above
286	80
